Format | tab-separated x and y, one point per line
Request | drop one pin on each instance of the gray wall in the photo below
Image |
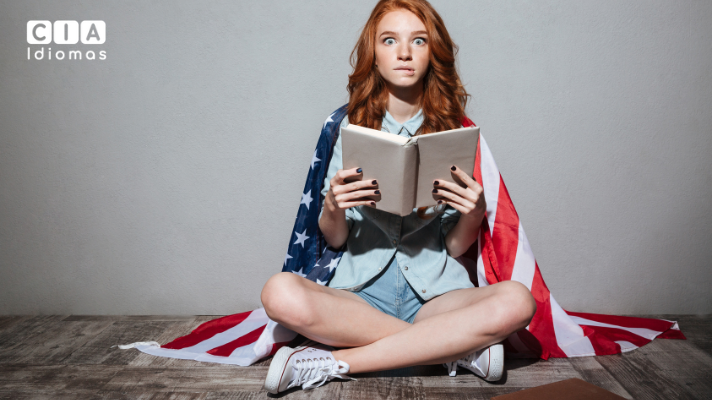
166	178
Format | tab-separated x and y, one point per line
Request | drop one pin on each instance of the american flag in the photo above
502	252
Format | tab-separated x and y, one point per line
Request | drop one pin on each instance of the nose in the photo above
404	53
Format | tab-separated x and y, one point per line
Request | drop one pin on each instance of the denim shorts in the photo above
391	293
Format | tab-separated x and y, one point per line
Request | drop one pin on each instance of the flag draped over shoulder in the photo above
502	252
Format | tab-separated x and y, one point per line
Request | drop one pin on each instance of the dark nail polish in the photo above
435	190
440	202
373	203
374	182
359	170
453	168
436	182
377	192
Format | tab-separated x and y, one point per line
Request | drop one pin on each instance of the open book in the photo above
406	167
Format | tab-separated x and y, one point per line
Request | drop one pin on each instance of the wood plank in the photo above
24	329
592	372
48	379
697	329
54	343
8	321
61	395
413	387
225	378
641	378
100	350
153	396
240	396
682	362
328	391
132	317
526	373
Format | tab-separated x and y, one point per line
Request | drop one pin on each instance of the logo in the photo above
84	34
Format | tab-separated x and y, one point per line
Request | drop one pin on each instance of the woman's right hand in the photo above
347	189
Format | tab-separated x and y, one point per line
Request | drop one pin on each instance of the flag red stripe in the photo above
603	339
628	322
467	122
601	346
227	349
672	334
542	325
207	330
505	235
489	256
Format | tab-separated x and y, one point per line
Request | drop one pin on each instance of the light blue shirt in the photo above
375	236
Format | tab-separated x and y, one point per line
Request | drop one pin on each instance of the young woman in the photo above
398	297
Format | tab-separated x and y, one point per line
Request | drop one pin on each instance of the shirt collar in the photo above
410	125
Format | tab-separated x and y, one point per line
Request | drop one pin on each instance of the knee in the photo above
284	299
516	306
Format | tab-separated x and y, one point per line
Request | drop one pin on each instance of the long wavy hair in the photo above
444	97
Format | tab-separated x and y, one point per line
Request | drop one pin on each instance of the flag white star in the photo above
333	264
328	120
301	237
314	159
320	282
303	275
287	257
306	198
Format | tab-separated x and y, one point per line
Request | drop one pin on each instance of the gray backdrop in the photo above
166	178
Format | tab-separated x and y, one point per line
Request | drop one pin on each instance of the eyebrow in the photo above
395	34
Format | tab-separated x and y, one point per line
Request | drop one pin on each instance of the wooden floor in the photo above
58	357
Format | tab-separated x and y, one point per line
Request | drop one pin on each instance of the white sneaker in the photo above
308	366
487	363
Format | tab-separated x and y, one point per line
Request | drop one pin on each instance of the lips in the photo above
408	71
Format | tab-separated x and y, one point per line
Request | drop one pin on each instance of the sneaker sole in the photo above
277	366
496	364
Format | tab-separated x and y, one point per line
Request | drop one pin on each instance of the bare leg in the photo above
449	327
331	316
446	328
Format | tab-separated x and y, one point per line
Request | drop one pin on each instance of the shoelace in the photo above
464	362
451	367
467	360
312	373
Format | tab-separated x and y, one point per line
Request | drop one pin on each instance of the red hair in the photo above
444	97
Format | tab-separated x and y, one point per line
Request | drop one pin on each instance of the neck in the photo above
404	103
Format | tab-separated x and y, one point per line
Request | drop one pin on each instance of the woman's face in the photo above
402	55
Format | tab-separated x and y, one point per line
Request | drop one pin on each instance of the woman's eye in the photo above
419	41
389	41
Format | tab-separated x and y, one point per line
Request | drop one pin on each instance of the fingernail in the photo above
377	192
359	170
373	203
436	182
373	182
440	202
435	190
453	168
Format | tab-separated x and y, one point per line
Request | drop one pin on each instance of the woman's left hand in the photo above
466	195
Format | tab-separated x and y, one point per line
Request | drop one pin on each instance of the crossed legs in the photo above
446	328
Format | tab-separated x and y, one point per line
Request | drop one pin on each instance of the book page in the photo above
384	157
437	152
